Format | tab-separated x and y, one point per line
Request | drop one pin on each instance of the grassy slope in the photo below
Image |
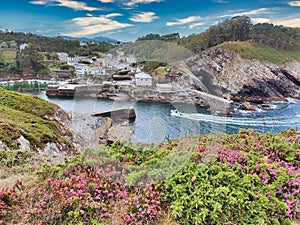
251	50
22	115
7	56
27	104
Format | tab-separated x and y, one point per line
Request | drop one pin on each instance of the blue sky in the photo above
126	20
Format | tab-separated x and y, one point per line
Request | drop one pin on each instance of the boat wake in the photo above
241	121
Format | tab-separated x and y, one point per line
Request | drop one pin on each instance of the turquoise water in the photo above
154	122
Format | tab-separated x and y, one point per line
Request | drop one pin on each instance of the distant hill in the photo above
95	39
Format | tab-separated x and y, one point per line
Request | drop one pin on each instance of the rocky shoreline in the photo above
123	93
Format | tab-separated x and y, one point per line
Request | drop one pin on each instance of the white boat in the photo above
176	113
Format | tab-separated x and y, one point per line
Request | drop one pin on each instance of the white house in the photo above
143	79
23	46
63	56
82	70
131	59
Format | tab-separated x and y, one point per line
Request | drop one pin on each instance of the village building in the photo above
23	46
143	79
84	70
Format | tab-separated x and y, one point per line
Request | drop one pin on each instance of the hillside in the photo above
30	123
247	71
246	178
241	28
253	50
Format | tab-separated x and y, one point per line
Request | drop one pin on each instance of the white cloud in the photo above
194	25
249	13
106	1
41	2
221	1
66	3
145	17
110	15
294	3
260	20
133	2
186	20
288	22
94	25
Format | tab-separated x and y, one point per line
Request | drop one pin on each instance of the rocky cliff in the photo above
223	72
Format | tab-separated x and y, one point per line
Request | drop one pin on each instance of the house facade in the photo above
143	79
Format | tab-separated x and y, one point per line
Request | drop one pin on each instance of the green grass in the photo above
23	115
27	104
251	50
8	56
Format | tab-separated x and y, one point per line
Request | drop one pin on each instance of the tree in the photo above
30	57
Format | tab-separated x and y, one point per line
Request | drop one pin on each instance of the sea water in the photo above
154	122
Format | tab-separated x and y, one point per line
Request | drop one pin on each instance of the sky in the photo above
126	20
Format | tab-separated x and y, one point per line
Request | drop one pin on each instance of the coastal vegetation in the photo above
261	52
243	178
249	178
31	118
240	28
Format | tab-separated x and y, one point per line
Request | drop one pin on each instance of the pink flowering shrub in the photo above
84	196
249	178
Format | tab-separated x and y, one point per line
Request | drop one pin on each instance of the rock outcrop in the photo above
2	146
103	129
248	106
24	144
222	72
120	132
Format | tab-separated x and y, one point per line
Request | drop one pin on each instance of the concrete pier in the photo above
118	114
216	103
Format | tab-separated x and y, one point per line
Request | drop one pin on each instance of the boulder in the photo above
248	106
2	146
24	144
102	130
267	106
52	149
120	132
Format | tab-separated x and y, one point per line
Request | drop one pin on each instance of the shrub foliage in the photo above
249	178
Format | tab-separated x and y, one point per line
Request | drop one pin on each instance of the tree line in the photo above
241	28
55	44
40	48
